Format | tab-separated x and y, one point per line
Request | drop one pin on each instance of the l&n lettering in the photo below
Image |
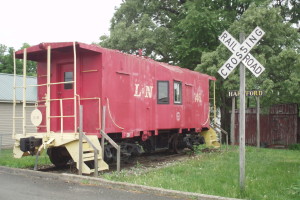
143	91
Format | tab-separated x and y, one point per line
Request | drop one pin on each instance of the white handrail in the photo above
48	121
14	98
108	108
75	87
24	90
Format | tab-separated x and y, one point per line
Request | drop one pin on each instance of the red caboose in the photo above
134	99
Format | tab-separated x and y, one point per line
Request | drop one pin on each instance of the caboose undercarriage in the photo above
63	148
166	140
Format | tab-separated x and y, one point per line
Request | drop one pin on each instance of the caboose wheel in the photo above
59	156
175	145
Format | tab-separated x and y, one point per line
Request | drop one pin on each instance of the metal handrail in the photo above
115	145
96	153
81	136
99	106
105	136
53	83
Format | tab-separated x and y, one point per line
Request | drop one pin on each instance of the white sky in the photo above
36	21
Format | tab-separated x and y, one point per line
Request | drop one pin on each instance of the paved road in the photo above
15	187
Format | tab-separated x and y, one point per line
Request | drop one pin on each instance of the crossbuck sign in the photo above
241	53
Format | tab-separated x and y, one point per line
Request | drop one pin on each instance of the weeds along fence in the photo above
6	141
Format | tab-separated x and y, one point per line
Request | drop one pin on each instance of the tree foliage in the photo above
198	30
7	63
179	31
290	10
278	52
144	24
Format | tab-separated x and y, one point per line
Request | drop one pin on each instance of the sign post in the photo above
257	122
241	54
232	127
242	121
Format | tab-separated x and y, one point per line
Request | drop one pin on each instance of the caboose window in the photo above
162	92
68	76
177	92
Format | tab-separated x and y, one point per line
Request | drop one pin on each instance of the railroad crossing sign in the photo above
241	53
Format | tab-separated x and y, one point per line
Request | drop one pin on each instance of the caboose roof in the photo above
39	52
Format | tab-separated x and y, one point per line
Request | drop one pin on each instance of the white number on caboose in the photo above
145	91
198	96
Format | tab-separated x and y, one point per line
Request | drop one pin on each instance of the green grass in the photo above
7	159
270	174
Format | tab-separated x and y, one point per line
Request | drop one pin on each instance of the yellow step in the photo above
90	156
87	147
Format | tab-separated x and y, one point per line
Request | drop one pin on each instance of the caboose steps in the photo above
211	137
88	154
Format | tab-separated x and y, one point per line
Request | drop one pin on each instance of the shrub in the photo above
294	147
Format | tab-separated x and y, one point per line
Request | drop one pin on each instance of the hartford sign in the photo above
241	53
257	93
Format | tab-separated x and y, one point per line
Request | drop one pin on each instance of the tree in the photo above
290	10
7	63
144	24
171	30
198	30
179	31
278	52
30	65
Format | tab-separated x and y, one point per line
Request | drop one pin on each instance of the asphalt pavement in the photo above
18	186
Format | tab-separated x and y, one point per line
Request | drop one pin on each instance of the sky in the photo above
36	21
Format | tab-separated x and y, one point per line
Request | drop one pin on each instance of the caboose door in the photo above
90	92
65	91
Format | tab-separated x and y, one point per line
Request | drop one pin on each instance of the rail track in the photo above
146	160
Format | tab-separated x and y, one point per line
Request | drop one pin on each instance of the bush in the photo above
294	147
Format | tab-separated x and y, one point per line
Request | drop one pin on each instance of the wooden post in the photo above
232	128
118	159
80	139
96	167
242	120
257	122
